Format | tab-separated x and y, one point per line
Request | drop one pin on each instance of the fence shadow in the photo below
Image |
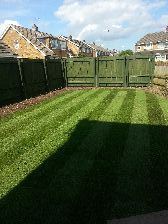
116	170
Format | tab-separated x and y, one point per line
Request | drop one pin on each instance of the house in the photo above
76	47
5	51
154	43
99	51
31	43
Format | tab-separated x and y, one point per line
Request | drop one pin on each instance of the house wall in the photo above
60	53
23	48
94	53
74	48
143	47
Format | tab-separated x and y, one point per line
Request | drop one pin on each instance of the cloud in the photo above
109	19
5	24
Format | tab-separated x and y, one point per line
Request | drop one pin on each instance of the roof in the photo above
5	51
154	38
33	36
78	43
99	48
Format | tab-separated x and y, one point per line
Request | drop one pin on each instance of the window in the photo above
54	43
42	40
160	45
83	49
149	45
88	50
63	45
16	44
166	44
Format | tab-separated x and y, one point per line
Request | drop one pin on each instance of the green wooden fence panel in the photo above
54	70
30	78
140	70
111	71
80	72
10	82
34	77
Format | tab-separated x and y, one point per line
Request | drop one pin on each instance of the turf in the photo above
85	156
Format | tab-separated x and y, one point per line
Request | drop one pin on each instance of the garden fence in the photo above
24	78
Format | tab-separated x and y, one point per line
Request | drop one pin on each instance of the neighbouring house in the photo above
31	43
99	51
154	43
5	51
76	47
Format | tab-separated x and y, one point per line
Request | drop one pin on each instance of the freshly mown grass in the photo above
85	156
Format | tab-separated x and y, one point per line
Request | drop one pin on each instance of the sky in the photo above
114	24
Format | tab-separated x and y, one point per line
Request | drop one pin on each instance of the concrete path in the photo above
151	218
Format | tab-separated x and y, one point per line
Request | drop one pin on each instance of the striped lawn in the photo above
85	156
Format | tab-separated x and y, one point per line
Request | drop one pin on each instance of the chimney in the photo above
93	43
70	37
166	29
34	27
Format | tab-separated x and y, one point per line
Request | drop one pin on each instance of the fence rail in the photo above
25	78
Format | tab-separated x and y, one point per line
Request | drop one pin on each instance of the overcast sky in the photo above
113	23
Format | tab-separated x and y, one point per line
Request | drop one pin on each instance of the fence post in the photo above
63	63
46	75
126	74
65	72
22	78
95	71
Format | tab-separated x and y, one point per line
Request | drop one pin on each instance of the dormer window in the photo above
63	45
54	43
43	40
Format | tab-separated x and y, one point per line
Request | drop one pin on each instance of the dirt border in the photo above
12	108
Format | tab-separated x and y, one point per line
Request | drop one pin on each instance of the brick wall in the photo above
21	46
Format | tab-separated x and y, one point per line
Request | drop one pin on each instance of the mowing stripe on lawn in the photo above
26	119
158	154
13	174
81	130
164	106
134	168
97	188
51	166
155	113
16	146
6	119
77	168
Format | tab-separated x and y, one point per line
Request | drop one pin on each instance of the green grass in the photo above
85	156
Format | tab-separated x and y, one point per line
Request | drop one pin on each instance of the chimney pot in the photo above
34	27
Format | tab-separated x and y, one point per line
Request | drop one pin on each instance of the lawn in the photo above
85	156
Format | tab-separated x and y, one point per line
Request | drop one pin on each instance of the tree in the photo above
126	53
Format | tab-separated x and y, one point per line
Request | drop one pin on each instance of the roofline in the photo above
68	40
5	31
28	40
11	26
76	44
91	47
